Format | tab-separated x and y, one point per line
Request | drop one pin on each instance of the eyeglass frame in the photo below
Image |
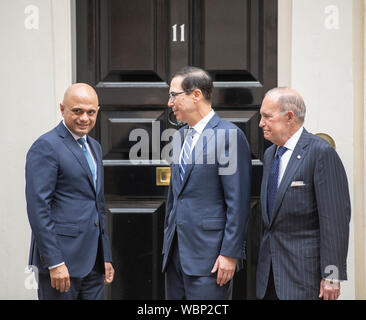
172	95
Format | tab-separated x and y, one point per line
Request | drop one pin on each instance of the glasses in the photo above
172	95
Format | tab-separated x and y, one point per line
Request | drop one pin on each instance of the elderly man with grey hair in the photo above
305	207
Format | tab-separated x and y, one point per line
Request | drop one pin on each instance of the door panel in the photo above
132	41
135	236
117	132
128	50
225	35
128	35
246	120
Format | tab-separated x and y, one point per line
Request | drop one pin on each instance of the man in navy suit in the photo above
209	195
305	207
65	204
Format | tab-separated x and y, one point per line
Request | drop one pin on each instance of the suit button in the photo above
96	223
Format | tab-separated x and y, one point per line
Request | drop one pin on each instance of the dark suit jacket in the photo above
208	211
309	229
66	213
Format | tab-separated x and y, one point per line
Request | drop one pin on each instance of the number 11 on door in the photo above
182	27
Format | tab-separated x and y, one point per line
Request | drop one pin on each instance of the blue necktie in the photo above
273	179
186	153
89	159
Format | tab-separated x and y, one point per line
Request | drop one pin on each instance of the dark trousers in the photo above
271	289
179	286
91	287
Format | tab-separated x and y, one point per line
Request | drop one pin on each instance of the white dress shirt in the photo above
290	145
76	137
198	129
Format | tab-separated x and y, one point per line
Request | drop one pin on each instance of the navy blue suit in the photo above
65	211
306	238
206	214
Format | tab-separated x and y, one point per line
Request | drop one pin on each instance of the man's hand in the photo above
329	291
109	273
60	279
225	268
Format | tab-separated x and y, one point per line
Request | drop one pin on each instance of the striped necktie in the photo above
89	158
186	153
273	179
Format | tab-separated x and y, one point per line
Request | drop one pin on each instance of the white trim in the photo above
284	42
62	49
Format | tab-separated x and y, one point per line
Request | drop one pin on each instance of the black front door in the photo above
128	50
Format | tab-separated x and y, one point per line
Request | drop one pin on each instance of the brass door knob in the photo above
162	176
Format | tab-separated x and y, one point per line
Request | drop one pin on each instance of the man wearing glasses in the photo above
207	206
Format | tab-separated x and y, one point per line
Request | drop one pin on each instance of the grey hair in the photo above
290	101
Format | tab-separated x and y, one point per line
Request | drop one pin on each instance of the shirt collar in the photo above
292	142
200	126
76	137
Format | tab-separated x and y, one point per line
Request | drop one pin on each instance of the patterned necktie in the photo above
186	153
273	179
89	159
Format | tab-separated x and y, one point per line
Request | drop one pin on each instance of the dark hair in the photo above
196	78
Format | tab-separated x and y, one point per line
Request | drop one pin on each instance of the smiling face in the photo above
80	109
275	124
182	104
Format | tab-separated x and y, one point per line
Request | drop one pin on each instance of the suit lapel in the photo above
175	172
72	145
266	170
98	162
200	148
188	167
207	134
296	160
175	164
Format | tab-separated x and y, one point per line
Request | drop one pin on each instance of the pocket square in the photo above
298	184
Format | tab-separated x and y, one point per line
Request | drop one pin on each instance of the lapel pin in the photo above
299	157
